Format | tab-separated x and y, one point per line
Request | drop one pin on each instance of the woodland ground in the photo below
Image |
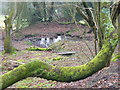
106	78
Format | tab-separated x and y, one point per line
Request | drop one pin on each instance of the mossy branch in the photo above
38	49
64	74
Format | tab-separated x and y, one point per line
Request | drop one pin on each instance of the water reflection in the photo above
1	48
57	39
45	42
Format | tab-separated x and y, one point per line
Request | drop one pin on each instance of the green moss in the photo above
38	49
48	58
7	45
8	26
20	60
115	58
57	58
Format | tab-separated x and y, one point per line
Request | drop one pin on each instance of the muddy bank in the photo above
50	30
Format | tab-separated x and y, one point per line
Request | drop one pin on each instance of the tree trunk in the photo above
45	13
89	17
8	48
119	35
37	10
51	12
115	15
63	74
100	33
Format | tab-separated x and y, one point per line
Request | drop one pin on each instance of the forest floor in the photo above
105	78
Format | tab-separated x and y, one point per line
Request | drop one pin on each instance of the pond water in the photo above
45	41
1	48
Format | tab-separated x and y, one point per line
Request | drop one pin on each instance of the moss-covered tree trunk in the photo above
115	16
8	28
64	74
100	30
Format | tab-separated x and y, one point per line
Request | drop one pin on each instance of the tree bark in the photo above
115	16
63	74
8	48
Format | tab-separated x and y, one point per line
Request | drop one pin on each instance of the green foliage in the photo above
38	49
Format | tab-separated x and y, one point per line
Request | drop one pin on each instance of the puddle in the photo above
45	42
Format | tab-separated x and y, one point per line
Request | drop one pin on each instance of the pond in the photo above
44	42
1	48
